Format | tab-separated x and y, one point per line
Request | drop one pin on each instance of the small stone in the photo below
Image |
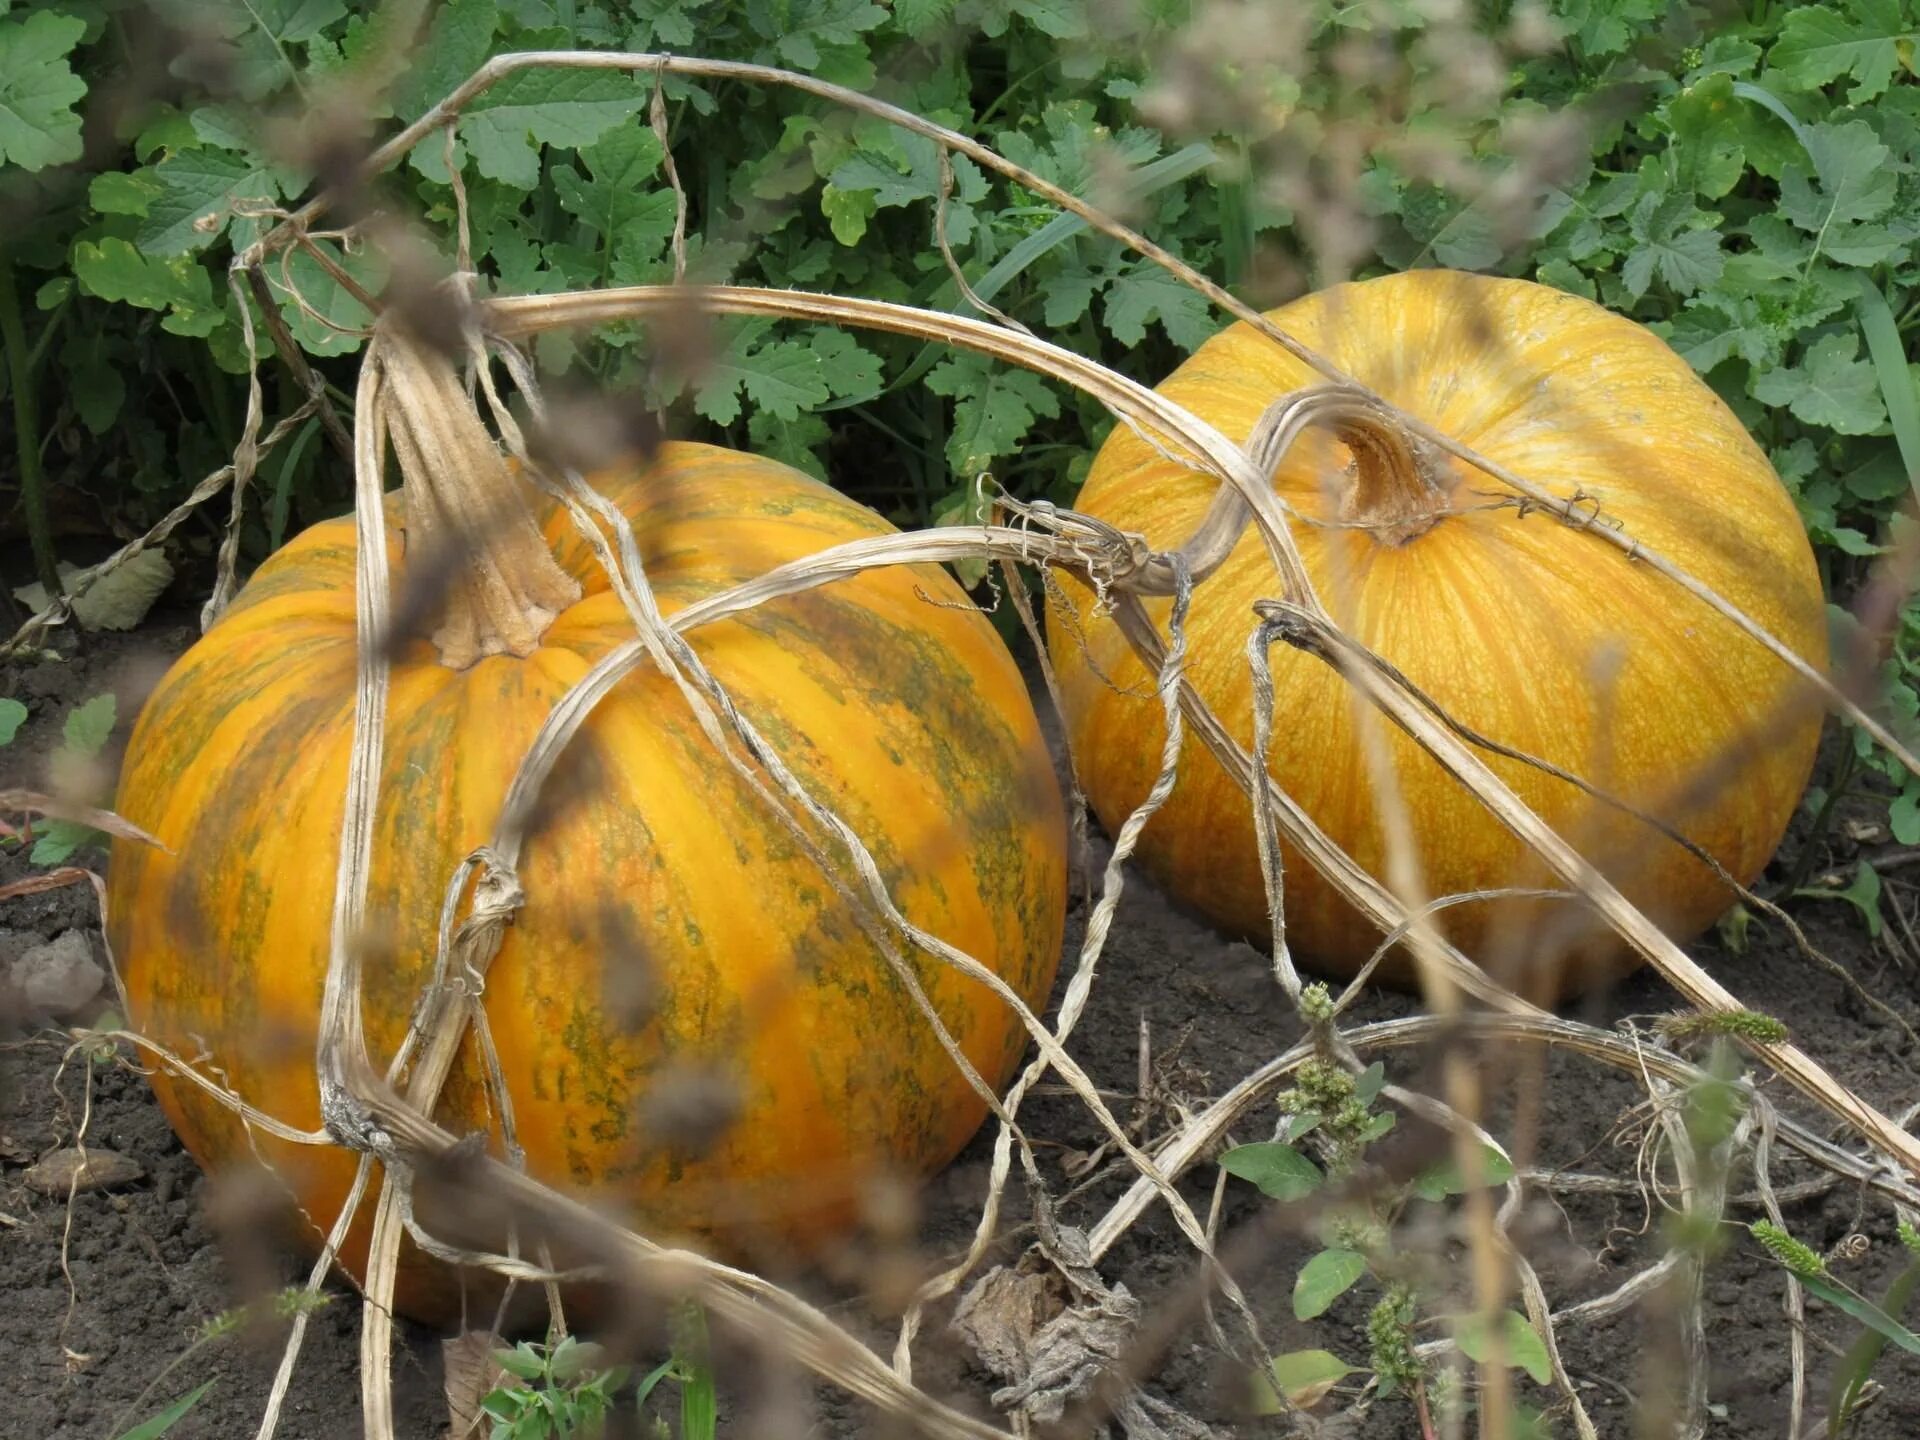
59	977
96	1169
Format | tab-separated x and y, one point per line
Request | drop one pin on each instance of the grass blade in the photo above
158	1425
1896	381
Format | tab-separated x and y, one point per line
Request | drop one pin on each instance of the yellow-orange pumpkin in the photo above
1529	631
672	933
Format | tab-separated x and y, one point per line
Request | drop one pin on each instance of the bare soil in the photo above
101	1296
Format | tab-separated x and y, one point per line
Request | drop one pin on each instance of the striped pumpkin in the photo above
1530	631
675	943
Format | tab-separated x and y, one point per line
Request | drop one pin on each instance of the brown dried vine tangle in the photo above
409	397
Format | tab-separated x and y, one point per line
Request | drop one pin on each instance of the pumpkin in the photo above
1533	633
676	947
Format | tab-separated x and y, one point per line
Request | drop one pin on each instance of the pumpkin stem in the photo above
1399	490
470	531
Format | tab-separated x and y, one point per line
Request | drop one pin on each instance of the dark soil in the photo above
149	1264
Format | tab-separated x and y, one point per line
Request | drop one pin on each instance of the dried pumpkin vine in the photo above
386	1114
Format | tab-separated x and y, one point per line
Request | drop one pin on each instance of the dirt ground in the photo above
144	1264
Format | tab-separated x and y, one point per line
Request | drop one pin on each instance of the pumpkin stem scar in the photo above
496	584
1398	492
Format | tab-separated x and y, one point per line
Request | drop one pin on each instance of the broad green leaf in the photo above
1709	124
113	270
1279	1170
851	372
632	217
805	33
250	40
457	43
1145	292
1368	1084
331	312
1687	258
12	716
1830	387
1444	1179
1863	893
1604	27
93	383
1866	39
917	17
1520	1343
1855	182
995	406
504	128
38	89
88	725
58	839
1303	1376
1324	1279
782	377
794	442
119	193
1302	1124
199	191
160	1424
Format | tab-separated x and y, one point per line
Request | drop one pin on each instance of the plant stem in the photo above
1822	821
26	429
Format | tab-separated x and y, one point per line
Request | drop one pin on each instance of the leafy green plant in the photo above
1333	1113
568	1390
88	726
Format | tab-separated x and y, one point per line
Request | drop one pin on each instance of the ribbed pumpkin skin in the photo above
656	872
1532	633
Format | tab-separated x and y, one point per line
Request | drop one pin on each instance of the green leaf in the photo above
782	377
60	838
1368	1084
851	372
1303	1376
523	1361
93	383
505	127
1279	1170
1863	1310
995	407
1709	125
1324	1279
807	32
247	41
1445	1179
1302	1124
89	725
12	716
917	17
113	270
1145	292
1863	893
1829	387
118	193
38	124
199	190
1855	184
794	442
617	204
1863	39
160	1424
324	324
1685	257
1520	1343
456	44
